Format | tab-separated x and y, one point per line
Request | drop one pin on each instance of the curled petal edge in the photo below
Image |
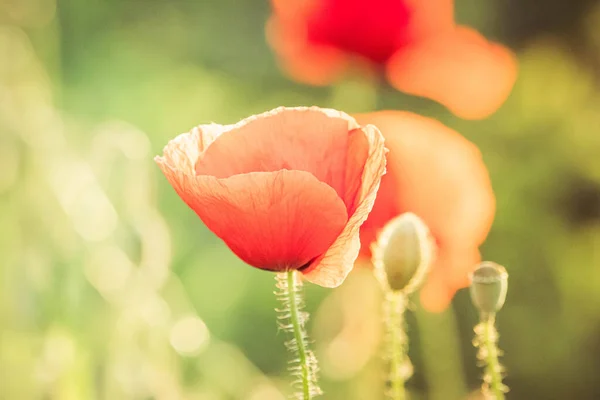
337	262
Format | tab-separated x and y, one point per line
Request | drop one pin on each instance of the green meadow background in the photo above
111	288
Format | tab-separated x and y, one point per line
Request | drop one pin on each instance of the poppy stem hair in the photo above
291	319
396	344
486	340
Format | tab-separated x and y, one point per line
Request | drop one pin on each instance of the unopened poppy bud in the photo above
489	283
403	253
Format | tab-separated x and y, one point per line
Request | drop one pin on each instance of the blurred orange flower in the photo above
416	42
437	174
287	189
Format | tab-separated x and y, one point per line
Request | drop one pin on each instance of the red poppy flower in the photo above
437	174
287	189
416	42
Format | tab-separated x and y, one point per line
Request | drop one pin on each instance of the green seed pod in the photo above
403	253
489	284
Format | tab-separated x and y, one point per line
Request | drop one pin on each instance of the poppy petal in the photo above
440	176
182	153
271	220
337	262
449	273
430	17
357	156
437	174
303	61
291	9
305	139
461	70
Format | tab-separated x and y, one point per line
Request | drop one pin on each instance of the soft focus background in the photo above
111	288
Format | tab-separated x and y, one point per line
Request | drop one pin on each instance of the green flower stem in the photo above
292	320
397	344
442	367
299	334
487	341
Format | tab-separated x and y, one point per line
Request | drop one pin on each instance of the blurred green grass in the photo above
102	262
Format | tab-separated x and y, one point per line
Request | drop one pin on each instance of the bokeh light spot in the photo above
189	336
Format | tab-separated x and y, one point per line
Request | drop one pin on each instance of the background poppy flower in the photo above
416	42
437	174
287	189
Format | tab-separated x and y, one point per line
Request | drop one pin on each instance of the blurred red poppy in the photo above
287	189
437	174
416	42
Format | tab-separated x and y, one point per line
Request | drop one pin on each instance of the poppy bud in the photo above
403	253
489	283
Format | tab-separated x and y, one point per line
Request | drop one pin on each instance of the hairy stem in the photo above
292	320
299	333
397	344
487	342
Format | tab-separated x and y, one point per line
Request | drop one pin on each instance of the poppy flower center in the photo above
371	29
